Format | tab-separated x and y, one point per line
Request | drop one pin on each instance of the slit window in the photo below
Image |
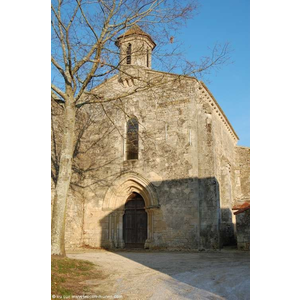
128	54
148	58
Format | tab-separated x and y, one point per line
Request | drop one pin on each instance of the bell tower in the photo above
136	48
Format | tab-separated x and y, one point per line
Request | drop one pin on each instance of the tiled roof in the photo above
135	30
241	207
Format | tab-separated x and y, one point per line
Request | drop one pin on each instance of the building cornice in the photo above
216	107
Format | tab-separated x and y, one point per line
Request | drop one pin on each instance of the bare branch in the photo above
58	91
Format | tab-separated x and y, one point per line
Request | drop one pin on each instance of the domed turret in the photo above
135	47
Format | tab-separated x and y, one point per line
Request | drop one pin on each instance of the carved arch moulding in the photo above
114	203
124	186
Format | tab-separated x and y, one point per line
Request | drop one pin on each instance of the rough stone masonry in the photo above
185	162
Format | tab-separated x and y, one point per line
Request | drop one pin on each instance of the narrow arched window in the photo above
132	139
128	54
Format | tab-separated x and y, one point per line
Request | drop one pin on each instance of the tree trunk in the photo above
63	182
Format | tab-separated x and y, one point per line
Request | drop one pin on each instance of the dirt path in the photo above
171	275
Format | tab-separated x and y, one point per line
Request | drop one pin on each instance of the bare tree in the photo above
84	33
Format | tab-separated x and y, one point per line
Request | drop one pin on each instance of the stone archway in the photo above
114	203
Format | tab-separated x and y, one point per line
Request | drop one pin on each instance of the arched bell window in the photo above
128	54
148	60
132	139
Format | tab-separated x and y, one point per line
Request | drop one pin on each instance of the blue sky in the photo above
225	21
221	21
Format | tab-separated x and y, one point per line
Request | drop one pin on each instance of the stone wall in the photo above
243	230
168	148
242	172
217	142
74	220
242	195
187	157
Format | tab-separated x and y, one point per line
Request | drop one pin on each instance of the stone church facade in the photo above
170	170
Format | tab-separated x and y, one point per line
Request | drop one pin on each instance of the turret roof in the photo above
135	30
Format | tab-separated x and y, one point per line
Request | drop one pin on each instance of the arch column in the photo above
114	202
115	229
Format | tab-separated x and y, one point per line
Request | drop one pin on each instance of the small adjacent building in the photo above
242	213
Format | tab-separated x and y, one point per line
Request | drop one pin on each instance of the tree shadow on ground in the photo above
224	274
214	274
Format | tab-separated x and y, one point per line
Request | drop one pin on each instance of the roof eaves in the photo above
219	107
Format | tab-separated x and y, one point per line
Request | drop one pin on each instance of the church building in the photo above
167	169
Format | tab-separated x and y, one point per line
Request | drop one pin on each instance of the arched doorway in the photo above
135	222
116	197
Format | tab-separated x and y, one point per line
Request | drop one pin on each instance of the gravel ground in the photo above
170	275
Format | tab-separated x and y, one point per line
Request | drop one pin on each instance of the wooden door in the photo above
135	223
